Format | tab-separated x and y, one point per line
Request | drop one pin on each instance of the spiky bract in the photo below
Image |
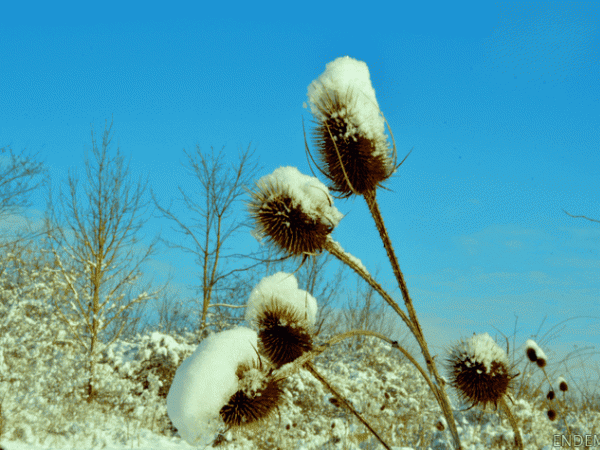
478	370
353	163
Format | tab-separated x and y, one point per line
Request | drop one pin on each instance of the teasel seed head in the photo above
551	415
294	211
562	384
283	334
479	371
535	353
284	316
550	395
256	398
349	130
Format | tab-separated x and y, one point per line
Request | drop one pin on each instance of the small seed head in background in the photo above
551	415
550	395
562	384
535	353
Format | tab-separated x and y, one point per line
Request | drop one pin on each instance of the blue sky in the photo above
501	103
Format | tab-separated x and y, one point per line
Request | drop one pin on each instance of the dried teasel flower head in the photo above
535	353
257	397
224	382
284	316
349	128
551	415
479	370
294	211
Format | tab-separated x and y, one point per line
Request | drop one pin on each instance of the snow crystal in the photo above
350	80
283	289
306	191
205	382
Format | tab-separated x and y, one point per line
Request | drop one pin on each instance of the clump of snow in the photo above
531	346
281	288
483	349
350	80
352	258
205	382
306	192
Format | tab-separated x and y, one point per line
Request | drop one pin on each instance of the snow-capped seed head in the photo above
535	353
562	384
550	395
256	398
284	316
479	370
206	381
350	130
294	211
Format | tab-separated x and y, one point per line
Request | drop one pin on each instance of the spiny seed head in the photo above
283	334
535	353
349	128
551	415
352	162
562	384
284	315
256	398
550	395
479	370
294	211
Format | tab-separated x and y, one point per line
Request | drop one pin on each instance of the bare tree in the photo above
20	175
97	250
220	186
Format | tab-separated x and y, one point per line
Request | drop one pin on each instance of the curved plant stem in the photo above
513	424
311	368
394	344
336	250
439	391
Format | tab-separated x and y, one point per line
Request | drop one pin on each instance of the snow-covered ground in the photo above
131	410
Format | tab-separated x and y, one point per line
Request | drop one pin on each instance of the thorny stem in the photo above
439	391
513	424
311	368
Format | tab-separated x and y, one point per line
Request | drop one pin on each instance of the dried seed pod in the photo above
257	397
349	128
479	371
535	353
562	384
294	211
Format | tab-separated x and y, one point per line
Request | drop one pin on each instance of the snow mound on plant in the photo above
205	382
